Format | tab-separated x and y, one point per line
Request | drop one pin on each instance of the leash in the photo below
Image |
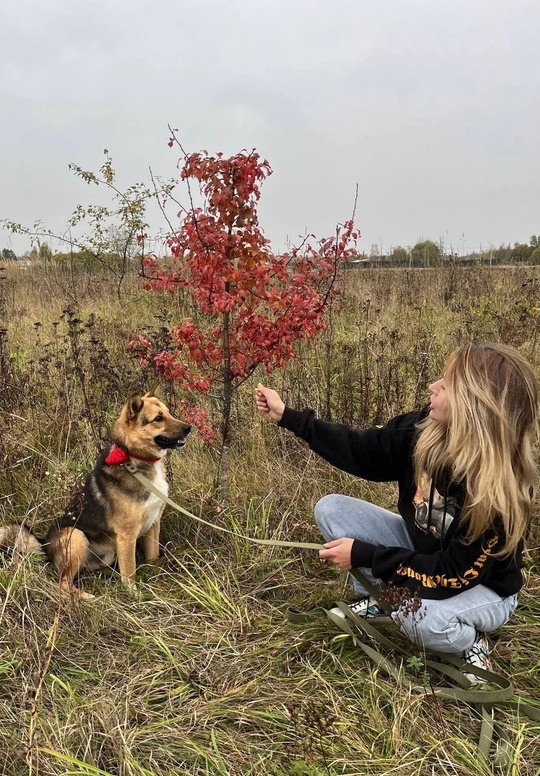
356	627
484	701
269	542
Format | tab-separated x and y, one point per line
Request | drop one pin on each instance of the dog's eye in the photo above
158	418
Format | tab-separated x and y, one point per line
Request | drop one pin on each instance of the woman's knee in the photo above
426	631
326	511
338	515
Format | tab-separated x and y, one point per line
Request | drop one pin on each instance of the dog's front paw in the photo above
79	595
133	590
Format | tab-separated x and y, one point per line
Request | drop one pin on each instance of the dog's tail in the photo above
18	541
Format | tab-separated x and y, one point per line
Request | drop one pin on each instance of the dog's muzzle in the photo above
170	442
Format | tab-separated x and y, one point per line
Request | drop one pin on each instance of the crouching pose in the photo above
466	474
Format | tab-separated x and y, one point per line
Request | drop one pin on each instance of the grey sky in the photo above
431	106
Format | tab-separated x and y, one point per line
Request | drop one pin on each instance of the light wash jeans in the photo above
447	625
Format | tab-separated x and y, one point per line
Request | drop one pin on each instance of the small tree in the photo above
109	236
426	253
253	305
399	256
534	258
521	253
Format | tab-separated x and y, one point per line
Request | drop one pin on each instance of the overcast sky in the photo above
431	106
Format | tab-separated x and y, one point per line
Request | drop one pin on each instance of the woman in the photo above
466	474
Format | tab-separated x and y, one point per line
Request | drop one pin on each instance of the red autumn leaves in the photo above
252	305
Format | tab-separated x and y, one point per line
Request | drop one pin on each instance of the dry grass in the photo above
202	674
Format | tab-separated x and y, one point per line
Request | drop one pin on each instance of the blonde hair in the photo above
492	401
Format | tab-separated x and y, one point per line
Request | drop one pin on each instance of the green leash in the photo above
442	663
484	700
269	542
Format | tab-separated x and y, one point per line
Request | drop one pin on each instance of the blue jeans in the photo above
446	625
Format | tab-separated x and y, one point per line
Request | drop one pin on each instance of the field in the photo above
201	673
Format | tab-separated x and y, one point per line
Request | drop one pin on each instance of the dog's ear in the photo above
134	406
154	391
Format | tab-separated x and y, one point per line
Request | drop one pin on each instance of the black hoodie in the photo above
443	562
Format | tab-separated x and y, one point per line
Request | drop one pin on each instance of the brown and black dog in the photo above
113	510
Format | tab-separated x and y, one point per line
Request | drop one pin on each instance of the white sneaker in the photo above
366	607
478	656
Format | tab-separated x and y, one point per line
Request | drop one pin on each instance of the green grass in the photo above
200	673
203	674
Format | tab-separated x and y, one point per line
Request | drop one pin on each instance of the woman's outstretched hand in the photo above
269	401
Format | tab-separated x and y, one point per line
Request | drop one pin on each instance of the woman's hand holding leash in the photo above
338	552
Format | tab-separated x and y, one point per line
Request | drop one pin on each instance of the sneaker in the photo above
366	607
478	656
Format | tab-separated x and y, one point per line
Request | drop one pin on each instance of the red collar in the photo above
117	456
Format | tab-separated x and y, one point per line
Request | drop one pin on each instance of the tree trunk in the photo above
223	472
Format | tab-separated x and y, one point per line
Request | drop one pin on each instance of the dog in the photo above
104	520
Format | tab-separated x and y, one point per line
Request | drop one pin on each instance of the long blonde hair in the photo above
492	400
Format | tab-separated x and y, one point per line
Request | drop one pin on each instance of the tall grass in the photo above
201	674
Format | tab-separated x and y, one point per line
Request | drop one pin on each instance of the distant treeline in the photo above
431	254
425	253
